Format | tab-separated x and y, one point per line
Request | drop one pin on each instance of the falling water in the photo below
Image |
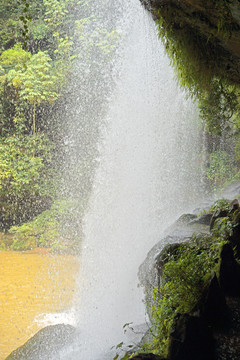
147	175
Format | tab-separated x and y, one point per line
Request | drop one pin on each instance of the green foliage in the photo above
221	204
223	227
55	12
125	357
200	64
220	170
24	175
95	41
50	229
182	283
39	44
5	241
25	240
10	29
218	105
28	77
25	18
14	57
188	50
236	145
22	161
123	350
30	83
38	82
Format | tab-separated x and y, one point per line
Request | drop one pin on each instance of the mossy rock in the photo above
169	251
221	213
186	218
149	356
204	219
210	38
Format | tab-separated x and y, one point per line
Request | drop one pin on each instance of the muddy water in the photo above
36	288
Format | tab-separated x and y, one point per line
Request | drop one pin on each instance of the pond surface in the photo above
36	289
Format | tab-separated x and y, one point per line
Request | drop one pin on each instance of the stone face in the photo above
229	272
203	17
169	251
211	330
218	214
235	238
180	232
185	218
190	339
45	344
204	219
212	305
231	190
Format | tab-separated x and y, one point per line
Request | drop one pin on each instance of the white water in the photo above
148	174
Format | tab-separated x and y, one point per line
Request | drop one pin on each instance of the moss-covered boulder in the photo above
180	232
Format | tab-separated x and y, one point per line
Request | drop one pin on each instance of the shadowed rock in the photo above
147	357
190	338
180	232
169	251
212	306
235	238
204	219
200	19
229	272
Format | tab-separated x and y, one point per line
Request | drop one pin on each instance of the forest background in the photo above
42	43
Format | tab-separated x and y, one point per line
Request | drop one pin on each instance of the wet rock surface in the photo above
45	344
217	215
181	231
204	219
211	330
201	18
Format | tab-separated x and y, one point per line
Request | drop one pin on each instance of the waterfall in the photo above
148	174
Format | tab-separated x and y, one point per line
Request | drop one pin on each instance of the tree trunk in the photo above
34	118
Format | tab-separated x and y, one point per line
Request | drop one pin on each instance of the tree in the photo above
26	177
12	63
39	82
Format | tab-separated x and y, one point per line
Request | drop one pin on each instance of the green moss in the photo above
184	278
6	241
196	56
202	65
221	204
